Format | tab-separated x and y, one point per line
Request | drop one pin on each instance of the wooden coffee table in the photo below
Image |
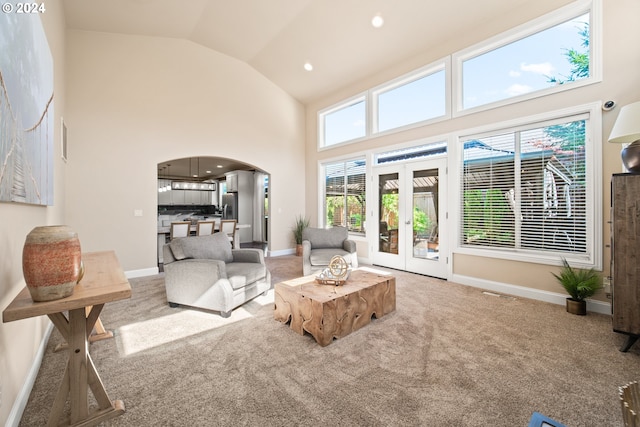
329	311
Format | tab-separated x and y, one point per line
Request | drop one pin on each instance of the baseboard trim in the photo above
13	420
282	252
521	291
141	273
505	288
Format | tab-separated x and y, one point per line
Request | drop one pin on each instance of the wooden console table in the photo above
329	311
103	282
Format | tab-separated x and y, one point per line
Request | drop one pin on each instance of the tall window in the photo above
345	195
527	189
550	54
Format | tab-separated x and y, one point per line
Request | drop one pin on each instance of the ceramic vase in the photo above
51	262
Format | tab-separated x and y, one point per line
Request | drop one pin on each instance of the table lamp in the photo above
626	130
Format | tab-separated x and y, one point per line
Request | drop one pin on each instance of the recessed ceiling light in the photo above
308	66
207	171
219	166
377	21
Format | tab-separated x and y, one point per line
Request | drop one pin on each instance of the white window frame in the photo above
443	64
322	171
594	7
418	145
593	178
361	97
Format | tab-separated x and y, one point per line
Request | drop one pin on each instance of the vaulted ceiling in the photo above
276	37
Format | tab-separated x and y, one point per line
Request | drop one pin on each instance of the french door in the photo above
410	217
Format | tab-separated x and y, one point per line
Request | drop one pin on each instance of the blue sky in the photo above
523	66
515	69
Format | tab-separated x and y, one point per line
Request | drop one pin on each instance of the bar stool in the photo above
179	229
228	226
204	228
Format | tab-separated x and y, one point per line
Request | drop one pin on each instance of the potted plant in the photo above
580	284
301	224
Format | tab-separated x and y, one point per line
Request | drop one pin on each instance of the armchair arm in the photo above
350	246
306	248
306	257
248	255
199	283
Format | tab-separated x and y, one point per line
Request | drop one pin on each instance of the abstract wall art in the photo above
26	111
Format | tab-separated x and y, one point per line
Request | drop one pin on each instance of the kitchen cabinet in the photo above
183	197
164	197
241	184
625	253
232	182
191	197
178	197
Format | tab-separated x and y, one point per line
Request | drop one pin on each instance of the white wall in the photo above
19	340
129	103
134	101
620	83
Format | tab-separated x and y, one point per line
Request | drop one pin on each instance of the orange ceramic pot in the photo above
51	262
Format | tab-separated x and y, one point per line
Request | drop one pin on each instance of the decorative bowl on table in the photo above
336	273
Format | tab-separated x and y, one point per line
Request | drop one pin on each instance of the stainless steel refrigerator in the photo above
230	206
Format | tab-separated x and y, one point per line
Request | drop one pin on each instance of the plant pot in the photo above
299	250
576	307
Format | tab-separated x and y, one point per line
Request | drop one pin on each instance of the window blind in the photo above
525	189
345	194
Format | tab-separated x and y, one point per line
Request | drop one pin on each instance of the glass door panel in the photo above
388	204
411	217
426	182
425	214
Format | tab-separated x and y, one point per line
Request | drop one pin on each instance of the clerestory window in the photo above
418	97
344	122
553	53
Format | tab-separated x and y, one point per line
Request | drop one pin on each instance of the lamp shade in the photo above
627	126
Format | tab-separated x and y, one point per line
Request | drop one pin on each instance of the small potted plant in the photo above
301	224
580	284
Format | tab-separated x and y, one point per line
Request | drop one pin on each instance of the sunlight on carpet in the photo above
141	336
374	270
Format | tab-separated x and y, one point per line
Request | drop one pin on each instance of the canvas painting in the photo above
26	111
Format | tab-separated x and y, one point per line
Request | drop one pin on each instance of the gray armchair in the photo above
319	245
206	272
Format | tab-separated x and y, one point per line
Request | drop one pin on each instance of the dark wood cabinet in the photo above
625	256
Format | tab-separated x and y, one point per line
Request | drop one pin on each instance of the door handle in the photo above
408	222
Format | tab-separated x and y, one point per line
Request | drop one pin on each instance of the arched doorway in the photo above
206	188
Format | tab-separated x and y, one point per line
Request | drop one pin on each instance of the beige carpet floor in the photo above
449	355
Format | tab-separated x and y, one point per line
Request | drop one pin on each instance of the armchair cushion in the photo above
325	237
319	245
213	246
323	256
